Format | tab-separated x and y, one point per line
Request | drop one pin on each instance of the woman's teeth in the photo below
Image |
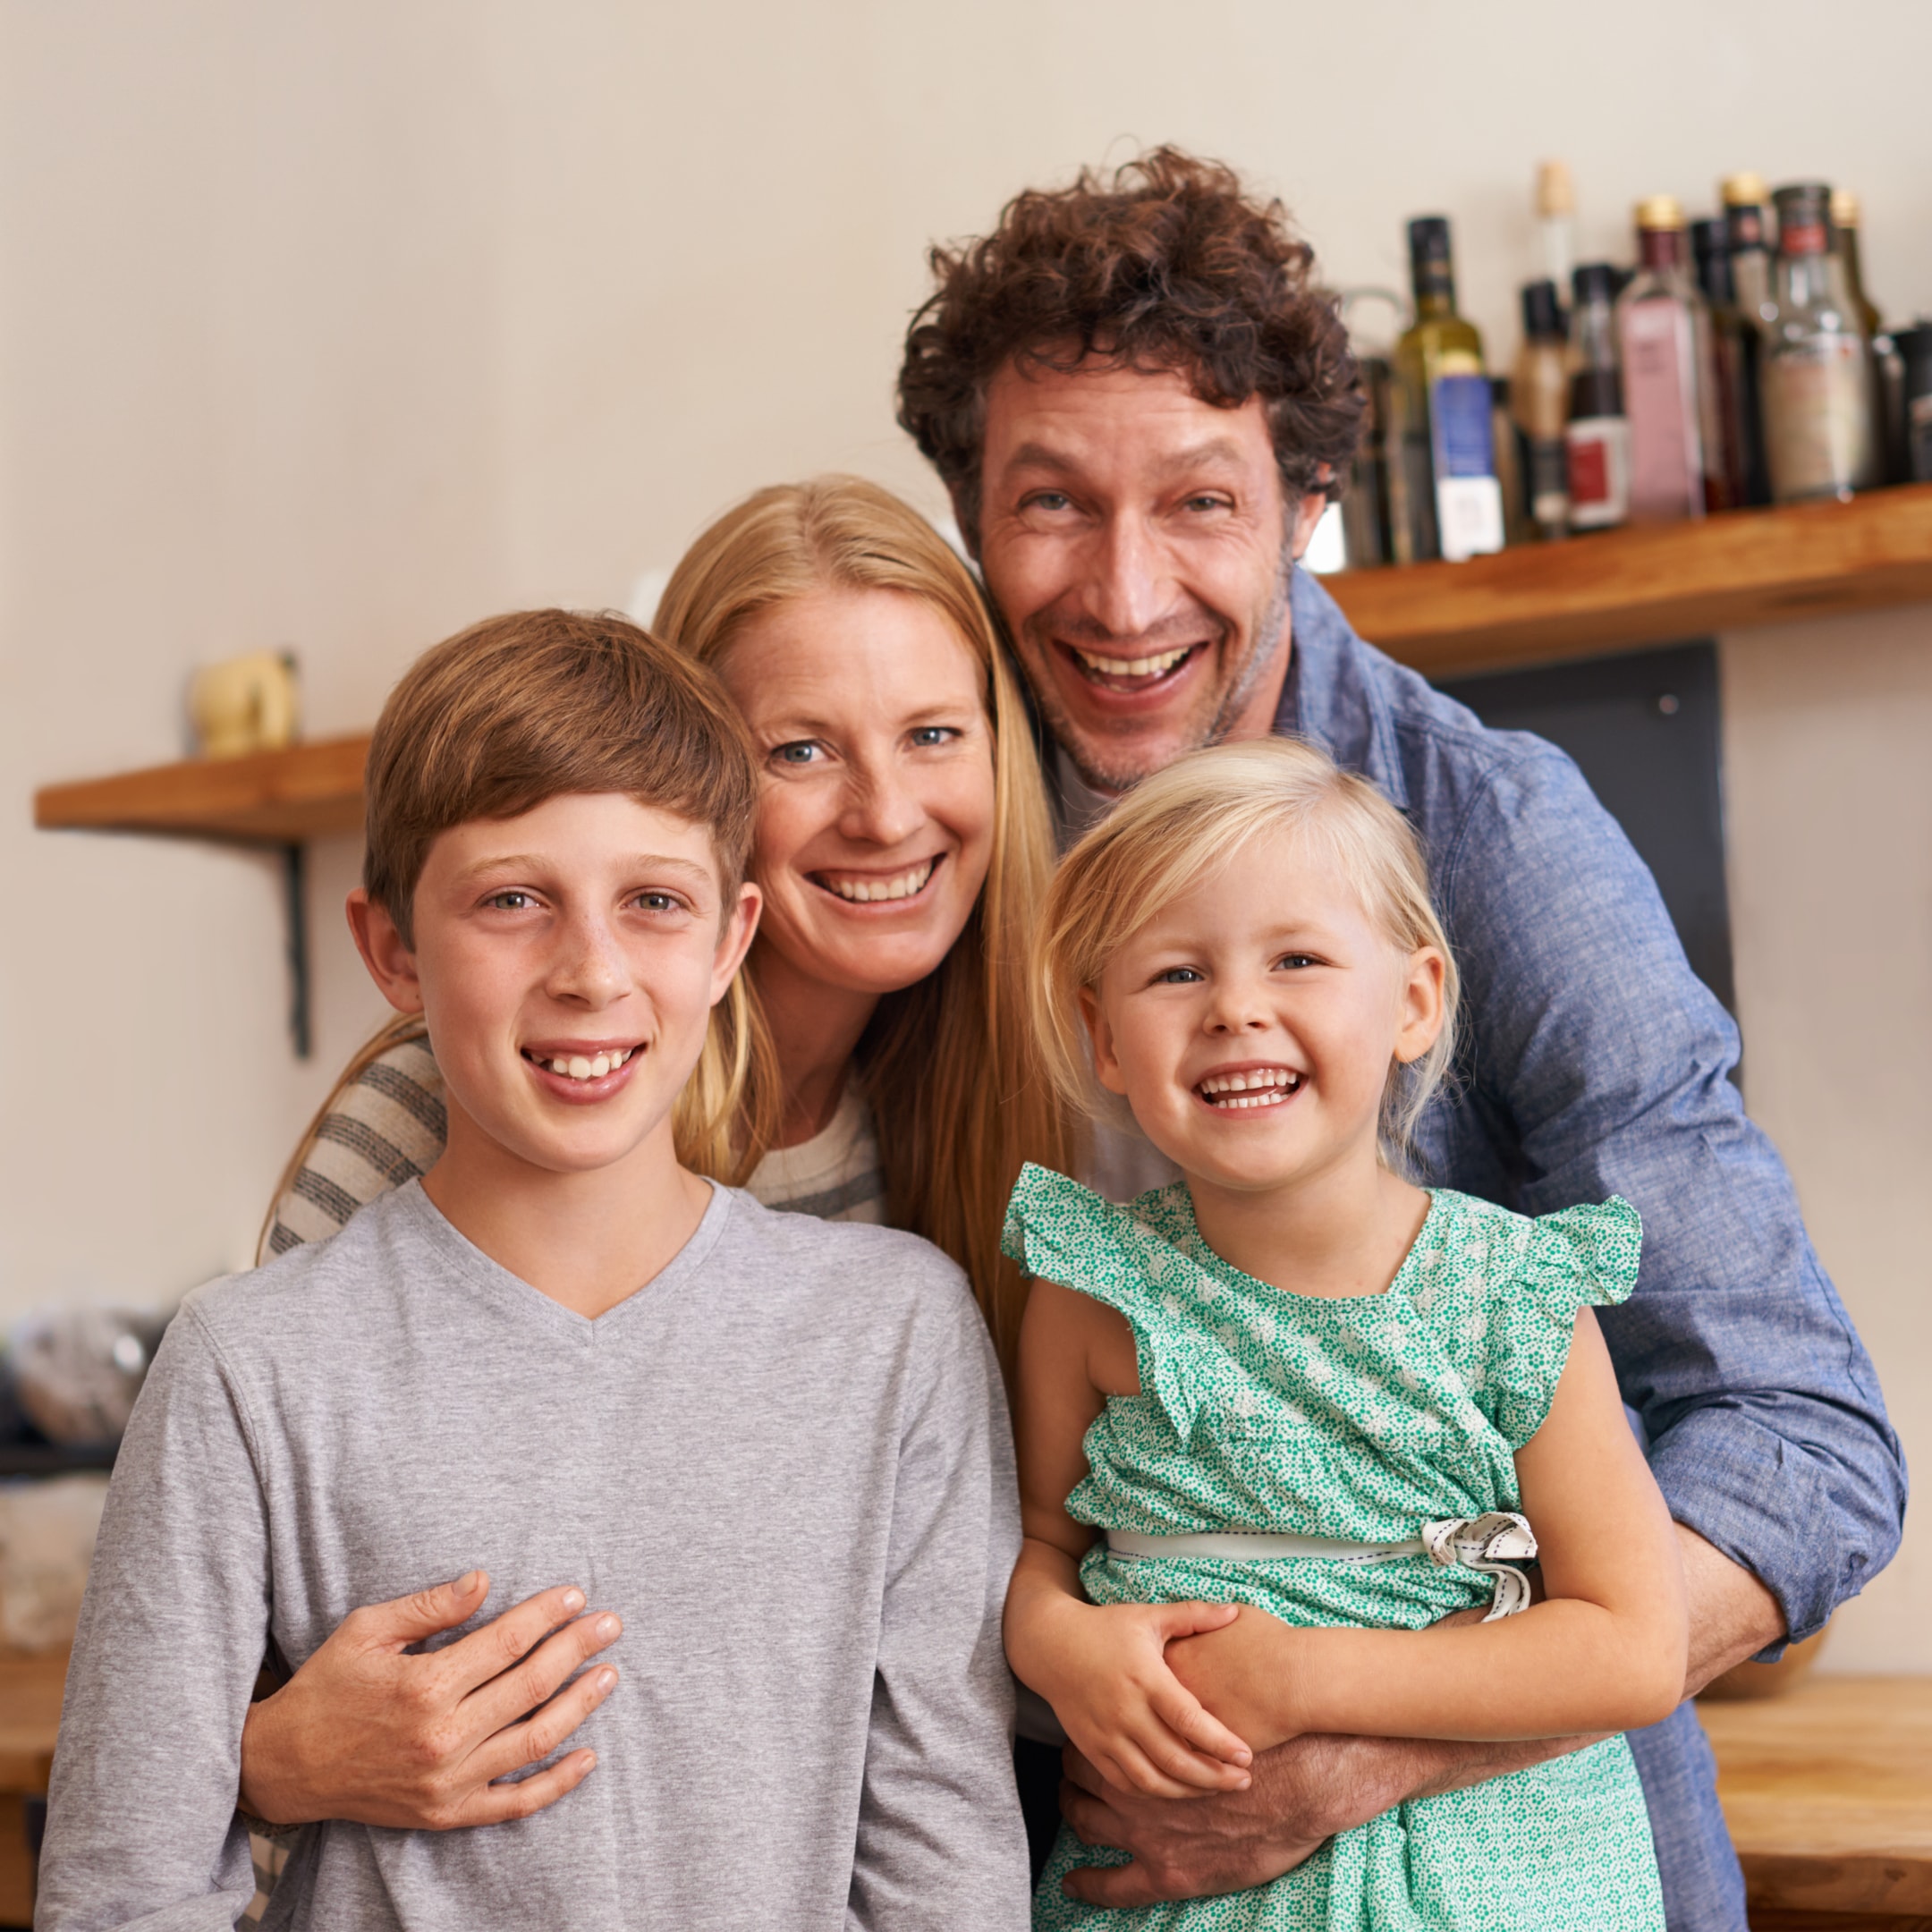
576	1067
903	885
1132	666
1265	1086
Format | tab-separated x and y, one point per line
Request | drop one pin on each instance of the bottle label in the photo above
1548	481
1469	500
1660	399
1599	449
1817	423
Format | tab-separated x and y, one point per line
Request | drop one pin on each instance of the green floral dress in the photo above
1359	1419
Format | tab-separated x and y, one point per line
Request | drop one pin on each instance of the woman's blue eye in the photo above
801	753
927	735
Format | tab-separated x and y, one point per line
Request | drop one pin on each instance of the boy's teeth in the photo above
576	1067
864	892
1132	666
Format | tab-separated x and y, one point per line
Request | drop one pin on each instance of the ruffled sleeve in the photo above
1585	1257
1058	1231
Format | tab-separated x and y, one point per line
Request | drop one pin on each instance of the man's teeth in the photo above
1132	666
576	1067
863	892
1264	1086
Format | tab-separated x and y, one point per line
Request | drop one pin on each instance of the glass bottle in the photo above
1446	499
1596	437
1888	366
1710	246
1664	332
1747	227
1540	407
1816	381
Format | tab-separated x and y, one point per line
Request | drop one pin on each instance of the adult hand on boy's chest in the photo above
368	1732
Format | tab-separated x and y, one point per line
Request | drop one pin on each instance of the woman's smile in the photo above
897	888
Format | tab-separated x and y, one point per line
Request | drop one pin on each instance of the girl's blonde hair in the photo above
949	1065
1189	824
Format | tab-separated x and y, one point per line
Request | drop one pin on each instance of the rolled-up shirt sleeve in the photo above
1596	1055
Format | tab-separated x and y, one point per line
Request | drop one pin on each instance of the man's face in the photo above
1136	541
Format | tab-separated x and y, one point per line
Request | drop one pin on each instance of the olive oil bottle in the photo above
1445	499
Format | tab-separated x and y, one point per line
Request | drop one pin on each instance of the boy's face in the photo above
567	962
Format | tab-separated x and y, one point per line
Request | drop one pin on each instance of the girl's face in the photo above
1252	1022
875	824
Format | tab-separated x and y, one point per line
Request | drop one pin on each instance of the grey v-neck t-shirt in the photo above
785	1461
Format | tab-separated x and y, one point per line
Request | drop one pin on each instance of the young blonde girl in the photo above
1281	1422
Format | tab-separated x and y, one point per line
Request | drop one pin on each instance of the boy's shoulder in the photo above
317	1281
859	1261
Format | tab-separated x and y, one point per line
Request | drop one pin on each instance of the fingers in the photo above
1191	1721
493	1804
407	1620
1148	1757
544	1731
1112	1885
516	1693
1193	1618
500	1645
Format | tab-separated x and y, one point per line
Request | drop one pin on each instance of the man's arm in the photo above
140	1816
1597	1064
940	1841
1305	1791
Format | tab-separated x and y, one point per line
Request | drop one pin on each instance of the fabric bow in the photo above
1493	1542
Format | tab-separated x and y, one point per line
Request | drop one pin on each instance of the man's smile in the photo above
1129	675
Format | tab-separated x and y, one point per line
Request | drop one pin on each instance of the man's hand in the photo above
1302	1794
364	1732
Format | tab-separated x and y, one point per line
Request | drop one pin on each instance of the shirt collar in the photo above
1332	698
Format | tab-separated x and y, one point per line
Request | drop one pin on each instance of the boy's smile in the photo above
567	961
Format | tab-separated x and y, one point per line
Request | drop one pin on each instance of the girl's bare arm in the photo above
1604	1651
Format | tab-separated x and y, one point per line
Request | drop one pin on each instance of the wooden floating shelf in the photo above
268	798
1625	589
1534	604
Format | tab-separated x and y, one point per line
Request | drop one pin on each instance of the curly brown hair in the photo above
1167	263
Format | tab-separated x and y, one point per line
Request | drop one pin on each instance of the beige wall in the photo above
339	325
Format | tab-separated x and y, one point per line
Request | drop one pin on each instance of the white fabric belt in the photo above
1493	1544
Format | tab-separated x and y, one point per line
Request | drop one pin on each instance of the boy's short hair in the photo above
538	705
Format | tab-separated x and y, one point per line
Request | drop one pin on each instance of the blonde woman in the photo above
882	1060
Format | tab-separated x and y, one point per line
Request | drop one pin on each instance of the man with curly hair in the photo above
1140	402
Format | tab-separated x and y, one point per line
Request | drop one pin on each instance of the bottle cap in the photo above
1542	313
1593	282
1804	217
1660	211
1744	191
1845	208
1556	194
1428	239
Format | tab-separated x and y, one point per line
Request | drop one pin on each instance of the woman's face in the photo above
874	823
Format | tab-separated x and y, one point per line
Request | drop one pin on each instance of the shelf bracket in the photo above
295	944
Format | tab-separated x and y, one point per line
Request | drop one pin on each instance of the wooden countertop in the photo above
30	1718
1828	1790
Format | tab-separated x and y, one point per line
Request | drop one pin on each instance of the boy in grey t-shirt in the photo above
777	1447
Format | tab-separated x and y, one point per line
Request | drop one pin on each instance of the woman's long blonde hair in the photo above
949	1065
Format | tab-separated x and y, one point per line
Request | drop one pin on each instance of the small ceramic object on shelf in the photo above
246	704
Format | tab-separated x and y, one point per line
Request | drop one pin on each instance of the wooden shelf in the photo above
1828	1790
1531	605
268	798
1628	588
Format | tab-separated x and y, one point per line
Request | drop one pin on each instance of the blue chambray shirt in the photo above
1595	1063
